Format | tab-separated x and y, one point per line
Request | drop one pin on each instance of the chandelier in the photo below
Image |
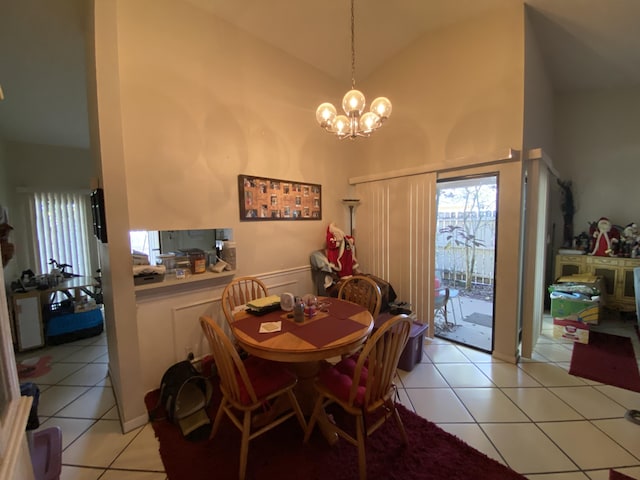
354	123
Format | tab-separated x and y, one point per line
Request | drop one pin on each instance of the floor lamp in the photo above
352	203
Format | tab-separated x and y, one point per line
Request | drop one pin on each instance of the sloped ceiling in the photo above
585	43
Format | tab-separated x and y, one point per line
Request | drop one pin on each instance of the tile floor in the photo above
533	417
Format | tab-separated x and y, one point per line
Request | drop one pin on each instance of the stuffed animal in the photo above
605	239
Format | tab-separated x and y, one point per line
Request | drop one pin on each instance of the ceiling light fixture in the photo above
354	123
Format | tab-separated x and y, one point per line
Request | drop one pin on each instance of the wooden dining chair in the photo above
240	291
363	291
362	385
247	386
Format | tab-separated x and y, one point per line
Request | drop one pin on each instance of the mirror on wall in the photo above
154	243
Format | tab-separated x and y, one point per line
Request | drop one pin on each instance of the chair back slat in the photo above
228	363
381	354
363	291
240	291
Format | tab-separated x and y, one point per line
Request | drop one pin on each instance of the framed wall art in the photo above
274	199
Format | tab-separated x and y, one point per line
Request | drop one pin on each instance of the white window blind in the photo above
62	230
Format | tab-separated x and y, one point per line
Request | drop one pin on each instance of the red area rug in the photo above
613	475
34	367
280	453
607	359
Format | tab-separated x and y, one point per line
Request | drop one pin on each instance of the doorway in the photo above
465	253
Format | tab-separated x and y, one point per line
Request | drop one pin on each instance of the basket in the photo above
58	308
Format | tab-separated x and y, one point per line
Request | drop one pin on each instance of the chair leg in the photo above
453	309
403	432
219	415
244	444
362	458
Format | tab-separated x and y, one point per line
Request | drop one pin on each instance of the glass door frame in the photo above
470	236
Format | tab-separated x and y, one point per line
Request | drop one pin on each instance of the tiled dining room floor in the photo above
533	417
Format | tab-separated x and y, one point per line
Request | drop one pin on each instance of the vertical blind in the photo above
62	230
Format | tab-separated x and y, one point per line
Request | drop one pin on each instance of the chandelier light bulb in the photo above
326	114
353	103
341	125
381	106
369	122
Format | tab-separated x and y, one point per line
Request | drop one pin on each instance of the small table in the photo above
339	328
72	288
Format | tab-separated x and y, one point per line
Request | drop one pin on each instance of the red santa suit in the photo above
341	251
604	239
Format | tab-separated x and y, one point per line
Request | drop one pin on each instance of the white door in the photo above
535	248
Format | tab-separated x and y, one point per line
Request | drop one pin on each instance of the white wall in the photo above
48	166
31	167
598	147
458	101
538	96
203	102
185	103
457	94
6	201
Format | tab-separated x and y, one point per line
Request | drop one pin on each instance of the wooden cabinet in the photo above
626	294
570	265
616	272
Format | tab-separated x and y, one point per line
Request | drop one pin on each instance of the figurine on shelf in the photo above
605	239
629	240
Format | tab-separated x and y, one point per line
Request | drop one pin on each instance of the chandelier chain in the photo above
353	48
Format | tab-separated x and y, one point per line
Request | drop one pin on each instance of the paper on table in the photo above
270	327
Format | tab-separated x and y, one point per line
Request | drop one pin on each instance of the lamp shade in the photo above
341	125
353	103
369	122
381	106
326	114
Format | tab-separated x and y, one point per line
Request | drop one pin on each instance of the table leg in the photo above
307	396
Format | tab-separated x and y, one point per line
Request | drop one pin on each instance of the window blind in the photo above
62	230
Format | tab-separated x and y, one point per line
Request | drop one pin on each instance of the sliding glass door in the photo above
466	227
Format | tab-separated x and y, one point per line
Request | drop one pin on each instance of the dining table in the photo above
337	327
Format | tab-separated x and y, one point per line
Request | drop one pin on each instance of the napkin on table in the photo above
270	327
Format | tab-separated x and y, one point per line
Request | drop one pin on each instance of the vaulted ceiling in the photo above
585	43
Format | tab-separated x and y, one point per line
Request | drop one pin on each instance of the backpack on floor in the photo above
185	395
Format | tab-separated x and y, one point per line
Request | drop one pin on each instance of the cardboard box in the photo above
571	330
595	284
566	307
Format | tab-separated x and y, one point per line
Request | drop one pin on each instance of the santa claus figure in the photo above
605	239
341	251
